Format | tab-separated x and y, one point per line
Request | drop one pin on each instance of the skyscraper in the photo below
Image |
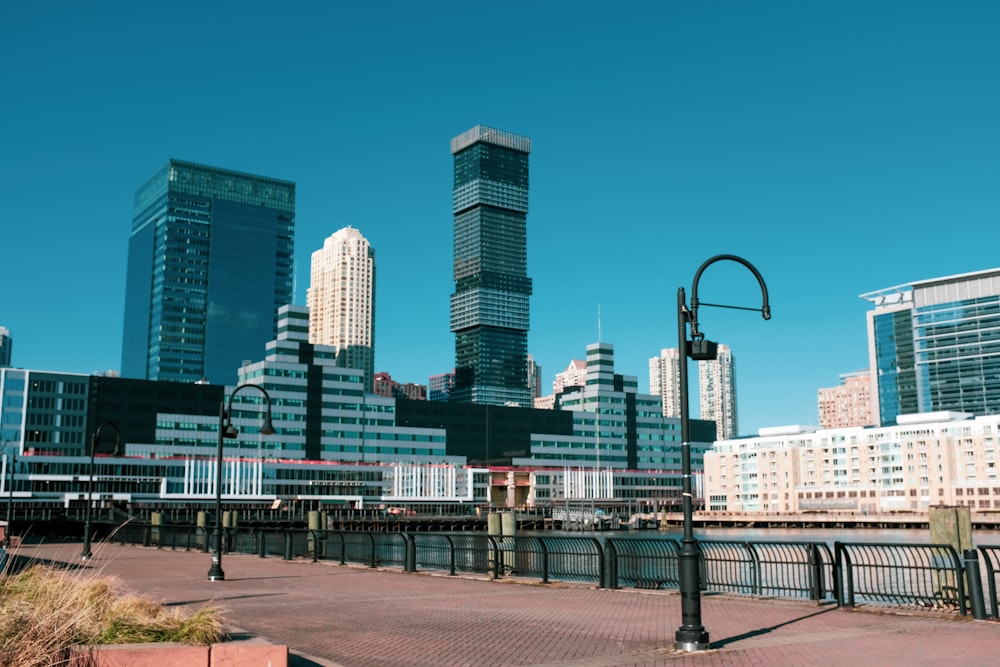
209	264
933	346
534	378
717	392
6	348
665	381
489	308
341	300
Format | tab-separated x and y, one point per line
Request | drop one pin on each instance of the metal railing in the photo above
991	556
851	574
929	576
776	569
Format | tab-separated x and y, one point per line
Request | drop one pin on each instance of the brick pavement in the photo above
351	616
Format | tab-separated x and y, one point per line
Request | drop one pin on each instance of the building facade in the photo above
6	348
386	386
489	308
665	381
925	460
534	378
439	386
849	403
575	375
717	392
614	426
341	300
934	346
209	264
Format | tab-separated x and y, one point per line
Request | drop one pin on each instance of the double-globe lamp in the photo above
228	430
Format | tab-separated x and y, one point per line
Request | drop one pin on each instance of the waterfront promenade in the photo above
349	616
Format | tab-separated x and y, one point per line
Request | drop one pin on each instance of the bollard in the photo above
156	537
974	584
201	532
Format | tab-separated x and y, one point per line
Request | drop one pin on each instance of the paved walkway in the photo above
332	615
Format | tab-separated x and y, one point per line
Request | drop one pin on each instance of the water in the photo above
827	535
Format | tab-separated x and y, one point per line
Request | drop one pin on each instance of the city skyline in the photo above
834	147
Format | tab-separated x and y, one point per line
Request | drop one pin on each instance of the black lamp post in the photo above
692	635
10	497
95	438
227	430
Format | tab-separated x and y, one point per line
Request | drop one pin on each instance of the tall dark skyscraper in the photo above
489	309
210	261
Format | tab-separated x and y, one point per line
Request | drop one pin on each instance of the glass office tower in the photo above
489	308
209	264
935	345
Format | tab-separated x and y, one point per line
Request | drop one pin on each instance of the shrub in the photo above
44	612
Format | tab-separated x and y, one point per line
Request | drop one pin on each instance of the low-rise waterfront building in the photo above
923	460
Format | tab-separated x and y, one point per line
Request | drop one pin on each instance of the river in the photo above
828	535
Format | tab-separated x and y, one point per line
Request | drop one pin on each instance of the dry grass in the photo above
44	612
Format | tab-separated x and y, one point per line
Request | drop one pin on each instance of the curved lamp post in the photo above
691	635
94	440
11	462
227	430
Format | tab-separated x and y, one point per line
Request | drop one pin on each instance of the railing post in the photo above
843	575
816	591
374	562
410	561
755	584
262	543
602	581
497	556
612	565
545	560
974	584
288	544
451	555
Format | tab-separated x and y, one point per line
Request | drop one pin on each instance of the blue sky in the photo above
841	147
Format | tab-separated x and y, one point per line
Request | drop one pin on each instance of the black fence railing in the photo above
851	574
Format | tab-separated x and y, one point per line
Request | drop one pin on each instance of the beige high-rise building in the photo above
664	381
717	392
575	375
341	300
848	404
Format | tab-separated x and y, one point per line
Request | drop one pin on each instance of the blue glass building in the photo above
6	348
934	346
489	308
209	264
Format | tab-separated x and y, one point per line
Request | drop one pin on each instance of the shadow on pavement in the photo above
722	643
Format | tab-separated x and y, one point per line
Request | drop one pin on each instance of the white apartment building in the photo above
926	459
717	392
664	381
575	375
341	300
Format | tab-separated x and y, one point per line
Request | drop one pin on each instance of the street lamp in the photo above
12	461
691	635
94	439
227	430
